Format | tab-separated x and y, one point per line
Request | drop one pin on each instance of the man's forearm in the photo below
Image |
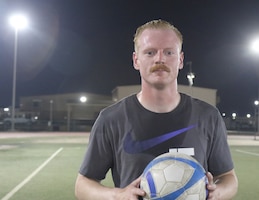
87	189
227	185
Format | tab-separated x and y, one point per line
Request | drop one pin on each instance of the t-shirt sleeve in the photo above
219	160
97	159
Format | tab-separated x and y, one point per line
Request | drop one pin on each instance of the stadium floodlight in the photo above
17	21
255	46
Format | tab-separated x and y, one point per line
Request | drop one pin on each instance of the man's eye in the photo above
169	53
151	53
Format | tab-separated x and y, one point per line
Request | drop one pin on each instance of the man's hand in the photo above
88	189
222	187
131	192
211	186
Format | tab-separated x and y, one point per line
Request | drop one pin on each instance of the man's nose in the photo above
160	57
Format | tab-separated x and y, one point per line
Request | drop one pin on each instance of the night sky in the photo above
86	46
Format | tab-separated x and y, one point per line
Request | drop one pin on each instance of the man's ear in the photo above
181	60
135	60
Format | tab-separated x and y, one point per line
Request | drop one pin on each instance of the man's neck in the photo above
159	101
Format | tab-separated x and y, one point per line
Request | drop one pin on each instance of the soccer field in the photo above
44	166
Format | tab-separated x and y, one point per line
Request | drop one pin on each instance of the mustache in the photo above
159	67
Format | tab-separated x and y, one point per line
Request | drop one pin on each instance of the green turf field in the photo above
44	167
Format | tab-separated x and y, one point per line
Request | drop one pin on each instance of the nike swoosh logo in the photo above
133	146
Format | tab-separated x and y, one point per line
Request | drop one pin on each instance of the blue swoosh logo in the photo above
133	146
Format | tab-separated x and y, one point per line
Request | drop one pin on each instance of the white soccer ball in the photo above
174	176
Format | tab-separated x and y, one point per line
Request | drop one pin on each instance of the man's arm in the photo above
222	187
88	189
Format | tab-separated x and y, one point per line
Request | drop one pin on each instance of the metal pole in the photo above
51	114
255	121
256	117
68	116
190	77
14	79
257	112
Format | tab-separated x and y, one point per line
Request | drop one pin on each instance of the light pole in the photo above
68	116
255	49
256	103
190	76
50	114
18	21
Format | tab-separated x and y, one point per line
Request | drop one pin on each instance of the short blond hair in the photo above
157	24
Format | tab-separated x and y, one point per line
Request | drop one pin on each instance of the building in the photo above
205	94
78	111
65	112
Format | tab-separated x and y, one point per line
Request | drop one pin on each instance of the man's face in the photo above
158	57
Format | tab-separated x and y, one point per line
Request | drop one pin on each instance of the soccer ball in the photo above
174	176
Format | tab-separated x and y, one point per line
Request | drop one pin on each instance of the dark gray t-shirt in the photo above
126	137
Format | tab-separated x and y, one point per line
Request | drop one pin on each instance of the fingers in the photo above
211	185
210	178
136	182
135	188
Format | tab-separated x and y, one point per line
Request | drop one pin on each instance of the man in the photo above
120	138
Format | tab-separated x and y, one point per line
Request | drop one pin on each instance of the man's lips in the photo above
159	68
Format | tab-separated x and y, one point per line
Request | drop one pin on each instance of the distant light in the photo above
190	77
234	115
18	21
248	115
256	102
6	109
224	114
83	99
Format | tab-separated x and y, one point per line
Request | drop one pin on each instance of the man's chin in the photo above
159	85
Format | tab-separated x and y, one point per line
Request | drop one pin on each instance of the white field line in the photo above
18	187
247	152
